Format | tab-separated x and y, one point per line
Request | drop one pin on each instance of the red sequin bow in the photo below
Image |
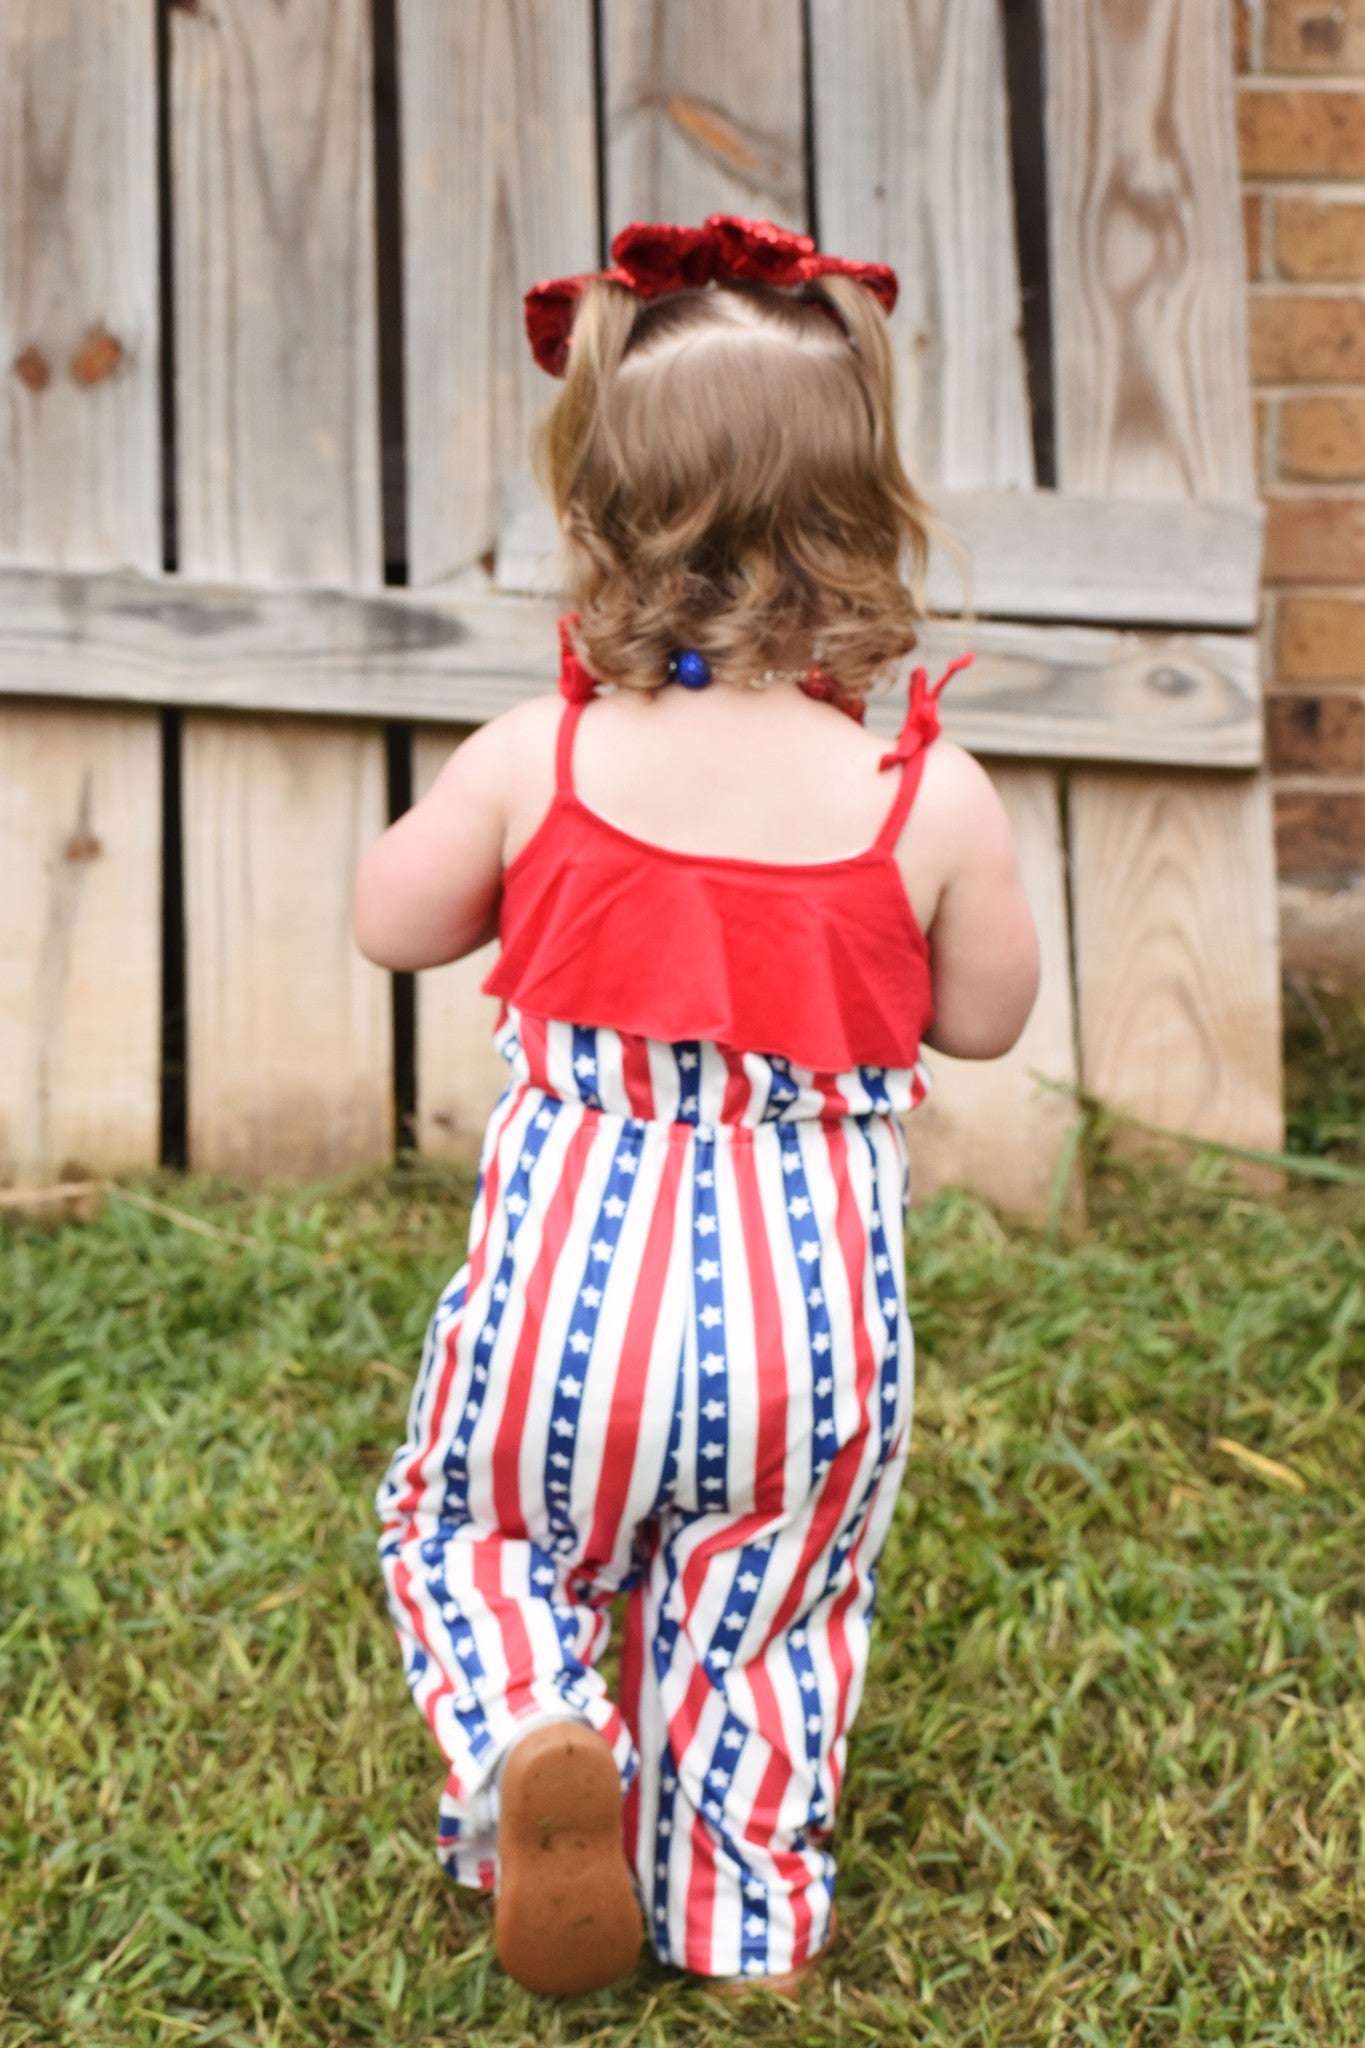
654	257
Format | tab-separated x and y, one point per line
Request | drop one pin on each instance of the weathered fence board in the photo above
705	110
80	941
1056	693
1148	302
459	1074
1171	959
80	792
278	444
1112	594
1148	283
296	1080
912	169
499	149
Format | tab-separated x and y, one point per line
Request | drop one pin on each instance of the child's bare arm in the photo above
982	940
428	891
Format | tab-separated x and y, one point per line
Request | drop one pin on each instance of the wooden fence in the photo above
245	407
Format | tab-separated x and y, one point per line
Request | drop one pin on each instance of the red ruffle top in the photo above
821	962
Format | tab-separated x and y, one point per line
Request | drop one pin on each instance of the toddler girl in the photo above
677	1363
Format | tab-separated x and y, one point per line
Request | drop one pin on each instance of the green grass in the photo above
1109	1780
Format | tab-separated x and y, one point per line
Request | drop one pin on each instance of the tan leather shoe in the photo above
567	1918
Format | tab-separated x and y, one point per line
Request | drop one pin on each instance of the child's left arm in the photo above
428	891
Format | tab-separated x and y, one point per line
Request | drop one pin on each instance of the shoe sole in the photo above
567	1919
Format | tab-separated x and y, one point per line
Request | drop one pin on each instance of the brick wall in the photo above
1301	107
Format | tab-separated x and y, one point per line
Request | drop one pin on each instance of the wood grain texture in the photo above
80	791
287	1080
278	443
499	153
78	454
992	1125
1053	692
1178	1009
704	110
80	941
912	168
1030	555
459	1076
1177	952
1147	251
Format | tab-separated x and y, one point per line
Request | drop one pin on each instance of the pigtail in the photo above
601	333
863	321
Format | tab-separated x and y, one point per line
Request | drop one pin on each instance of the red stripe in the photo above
827	1086
737	1090
505	1609
841	1659
627	1400
761	1825
535	1045
402	1584
559	1218
764	1815
478	1262
635	1077
701	1899
770	1449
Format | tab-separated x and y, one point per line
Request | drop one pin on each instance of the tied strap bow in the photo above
922	725
575	682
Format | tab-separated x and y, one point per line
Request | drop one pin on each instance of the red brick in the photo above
1253	213
1320	639
1322	437
1319	832
1316	735
1320	241
1315	540
1294	131
1315	35
1307	337
1241	34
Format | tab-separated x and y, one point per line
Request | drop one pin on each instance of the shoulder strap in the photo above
568	726
577	688
917	735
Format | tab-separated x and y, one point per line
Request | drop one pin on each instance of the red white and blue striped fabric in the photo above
677	1363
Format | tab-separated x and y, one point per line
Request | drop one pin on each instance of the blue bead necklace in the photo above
689	668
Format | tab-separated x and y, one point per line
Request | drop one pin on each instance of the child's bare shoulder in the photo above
958	825
956	796
501	751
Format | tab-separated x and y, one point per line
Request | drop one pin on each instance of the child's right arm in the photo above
982	941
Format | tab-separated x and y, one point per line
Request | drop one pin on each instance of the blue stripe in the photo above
687	1055
562	1442
807	1251
708	1298
585	1067
782	1091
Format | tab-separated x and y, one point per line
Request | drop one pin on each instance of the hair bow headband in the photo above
654	257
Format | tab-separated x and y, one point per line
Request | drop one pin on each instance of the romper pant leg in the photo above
747	1641
533	1452
743	1669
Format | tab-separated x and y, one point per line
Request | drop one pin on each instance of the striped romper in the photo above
676	1366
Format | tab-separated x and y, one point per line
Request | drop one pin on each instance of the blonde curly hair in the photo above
724	466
